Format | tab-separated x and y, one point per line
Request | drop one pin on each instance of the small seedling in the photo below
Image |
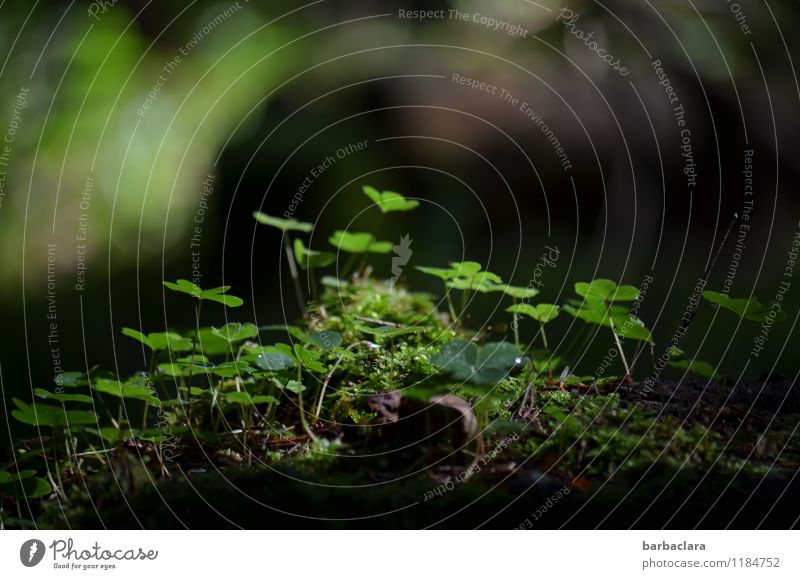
285	226
542	313
217	294
746	309
467	276
679	359
389	201
599	308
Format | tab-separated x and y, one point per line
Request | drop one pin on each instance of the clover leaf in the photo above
388	201
607	291
514	291
359	242
282	224
236	332
160	340
309	259
542	313
484	365
45	415
749	309
216	294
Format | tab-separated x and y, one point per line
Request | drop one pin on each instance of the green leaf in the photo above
136	335
42	393
389	331
160	340
71	379
678	359
294	386
388	201
495	361
309	259
226	300
274	361
606	290
210	343
750	309
327	340
542	313
591	311
246	398
359	242
308	359
330	281
184	286
215	290
629	326
458	358
381	247
236	332
179	368
216	294
31	488
131	389
282	224
466	269
544	361
444	274
464	361
514	291
44	415
231	369
483	282
625	293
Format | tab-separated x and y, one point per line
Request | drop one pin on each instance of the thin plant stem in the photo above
621	351
303	422
450	306
287	246
195	336
375	227
55	464
516	327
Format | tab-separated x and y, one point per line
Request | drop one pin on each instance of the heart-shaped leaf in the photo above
45	415
246	398
132	389
606	290
464	361
29	487
232	368
327	340
308	258
294	386
354	242
542	313
216	294
678	359
274	360
388	201
282	224
750	309
236	332
42	393
160	340
629	326
515	291
184	286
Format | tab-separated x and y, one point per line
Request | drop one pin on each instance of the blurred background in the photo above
140	136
